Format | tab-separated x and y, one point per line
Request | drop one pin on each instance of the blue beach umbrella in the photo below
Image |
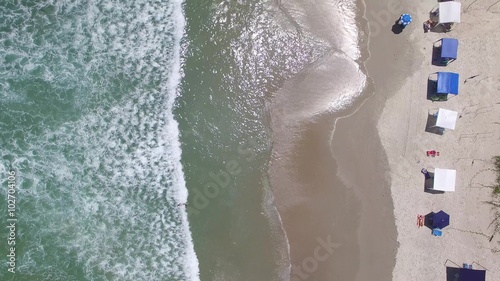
440	220
405	19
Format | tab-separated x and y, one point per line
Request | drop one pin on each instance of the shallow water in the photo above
238	55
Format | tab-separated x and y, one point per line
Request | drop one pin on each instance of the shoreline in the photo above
320	199
356	136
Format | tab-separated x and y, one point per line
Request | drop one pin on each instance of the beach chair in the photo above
439	97
437	232
432	153
429	25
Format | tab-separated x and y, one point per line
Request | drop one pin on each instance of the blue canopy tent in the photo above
440	220
448	50
445	83
465	274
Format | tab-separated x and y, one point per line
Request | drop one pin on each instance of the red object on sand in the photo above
432	153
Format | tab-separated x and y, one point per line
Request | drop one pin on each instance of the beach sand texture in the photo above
468	149
326	214
371	177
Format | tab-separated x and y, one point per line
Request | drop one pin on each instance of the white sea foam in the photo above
103	183
331	84
335	80
346	15
333	21
347	81
278	232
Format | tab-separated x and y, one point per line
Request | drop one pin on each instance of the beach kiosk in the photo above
465	274
444	179
445	84
448	49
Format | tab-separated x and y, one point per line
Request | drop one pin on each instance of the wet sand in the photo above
336	188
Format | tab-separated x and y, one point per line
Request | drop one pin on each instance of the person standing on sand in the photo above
426	173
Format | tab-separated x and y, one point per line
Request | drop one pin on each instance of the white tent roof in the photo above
446	119
444	179
449	12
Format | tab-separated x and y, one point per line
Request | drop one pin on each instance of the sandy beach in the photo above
366	193
470	237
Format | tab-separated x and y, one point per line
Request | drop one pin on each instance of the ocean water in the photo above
238	55
87	90
115	113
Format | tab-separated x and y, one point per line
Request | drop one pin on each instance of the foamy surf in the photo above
89	89
333	22
335	80
331	84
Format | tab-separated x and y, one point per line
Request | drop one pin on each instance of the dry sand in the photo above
468	149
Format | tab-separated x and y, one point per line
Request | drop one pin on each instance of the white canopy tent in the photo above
444	179
446	119
449	12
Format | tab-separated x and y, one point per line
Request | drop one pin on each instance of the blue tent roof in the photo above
440	220
449	48
464	274
447	83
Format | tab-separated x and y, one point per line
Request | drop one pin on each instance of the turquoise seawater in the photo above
236	55
87	91
114	114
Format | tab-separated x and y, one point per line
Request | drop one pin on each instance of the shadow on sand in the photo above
397	28
428	220
431	88
436	57
430	126
429	184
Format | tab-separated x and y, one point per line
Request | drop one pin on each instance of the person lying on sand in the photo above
420	221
